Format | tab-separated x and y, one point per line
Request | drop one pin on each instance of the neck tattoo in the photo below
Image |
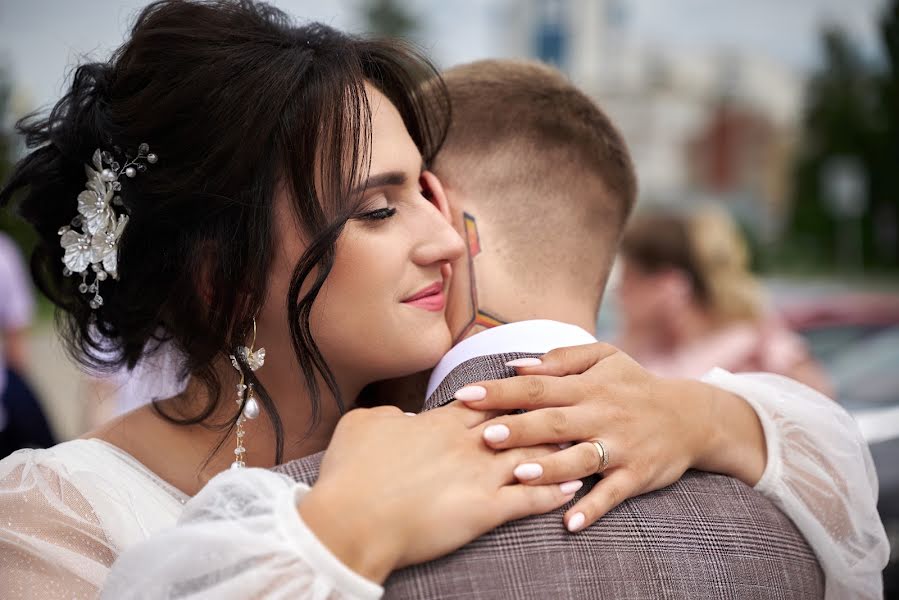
478	318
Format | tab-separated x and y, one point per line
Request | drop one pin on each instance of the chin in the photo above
420	350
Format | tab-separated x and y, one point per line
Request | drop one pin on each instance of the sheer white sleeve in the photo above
240	537
821	475
52	544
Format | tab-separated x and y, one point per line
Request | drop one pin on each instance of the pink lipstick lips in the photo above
430	298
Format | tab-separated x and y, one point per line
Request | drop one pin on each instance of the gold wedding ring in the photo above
603	455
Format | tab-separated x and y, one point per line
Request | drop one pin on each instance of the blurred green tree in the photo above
852	111
389	18
10	223
886	145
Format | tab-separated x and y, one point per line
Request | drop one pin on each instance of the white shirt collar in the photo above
534	337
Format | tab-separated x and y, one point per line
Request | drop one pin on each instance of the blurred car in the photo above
832	324
856	339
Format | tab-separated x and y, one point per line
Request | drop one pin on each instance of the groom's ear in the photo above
436	193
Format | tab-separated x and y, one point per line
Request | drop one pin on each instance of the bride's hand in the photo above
396	490
652	429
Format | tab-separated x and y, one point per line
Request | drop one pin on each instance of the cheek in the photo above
274	311
352	300
625	289
358	321
638	299
653	293
631	290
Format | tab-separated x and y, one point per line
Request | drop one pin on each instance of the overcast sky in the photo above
40	39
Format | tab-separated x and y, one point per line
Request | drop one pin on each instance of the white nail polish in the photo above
524	362
409	414
576	522
496	433
570	487
470	393
528	471
564	445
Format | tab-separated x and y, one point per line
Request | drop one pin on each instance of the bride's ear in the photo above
435	192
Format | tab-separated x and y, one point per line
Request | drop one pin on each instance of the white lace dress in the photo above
67	513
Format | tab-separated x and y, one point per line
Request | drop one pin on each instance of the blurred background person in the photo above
688	302
22	421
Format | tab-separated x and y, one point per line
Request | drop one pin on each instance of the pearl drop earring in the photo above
246	395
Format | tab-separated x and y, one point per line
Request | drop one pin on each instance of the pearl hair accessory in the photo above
91	240
246	395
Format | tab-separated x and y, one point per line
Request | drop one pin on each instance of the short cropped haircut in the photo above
543	163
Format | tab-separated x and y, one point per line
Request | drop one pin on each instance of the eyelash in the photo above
379	214
382	214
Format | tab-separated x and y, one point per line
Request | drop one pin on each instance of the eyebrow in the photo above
389	178
381	180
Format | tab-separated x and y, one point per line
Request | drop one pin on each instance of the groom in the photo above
540	185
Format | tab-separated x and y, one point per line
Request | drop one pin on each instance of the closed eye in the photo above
378	214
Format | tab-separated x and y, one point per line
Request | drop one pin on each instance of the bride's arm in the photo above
796	446
52	544
393	490
819	472
240	537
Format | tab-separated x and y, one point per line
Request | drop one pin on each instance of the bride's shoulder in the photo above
61	459
97	451
91	466
70	509
88	484
102	467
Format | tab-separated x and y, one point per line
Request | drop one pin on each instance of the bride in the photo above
257	195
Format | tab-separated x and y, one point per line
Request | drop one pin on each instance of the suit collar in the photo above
533	337
479	368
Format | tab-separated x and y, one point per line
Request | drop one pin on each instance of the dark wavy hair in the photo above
236	100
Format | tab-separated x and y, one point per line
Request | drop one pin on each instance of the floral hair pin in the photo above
91	241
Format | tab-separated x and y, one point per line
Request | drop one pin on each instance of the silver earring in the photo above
246	395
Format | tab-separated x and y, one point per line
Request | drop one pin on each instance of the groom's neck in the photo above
504	298
504	281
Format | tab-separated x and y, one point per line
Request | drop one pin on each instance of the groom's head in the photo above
540	183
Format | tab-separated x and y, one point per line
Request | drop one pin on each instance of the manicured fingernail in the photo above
564	445
528	471
524	362
576	522
471	393
408	414
570	487
496	433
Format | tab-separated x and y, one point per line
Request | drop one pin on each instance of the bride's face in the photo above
381	311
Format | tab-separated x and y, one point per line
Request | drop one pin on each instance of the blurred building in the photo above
740	157
702	125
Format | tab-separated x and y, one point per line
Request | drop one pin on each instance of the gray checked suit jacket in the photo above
706	536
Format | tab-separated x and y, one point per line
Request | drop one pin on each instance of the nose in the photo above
437	241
